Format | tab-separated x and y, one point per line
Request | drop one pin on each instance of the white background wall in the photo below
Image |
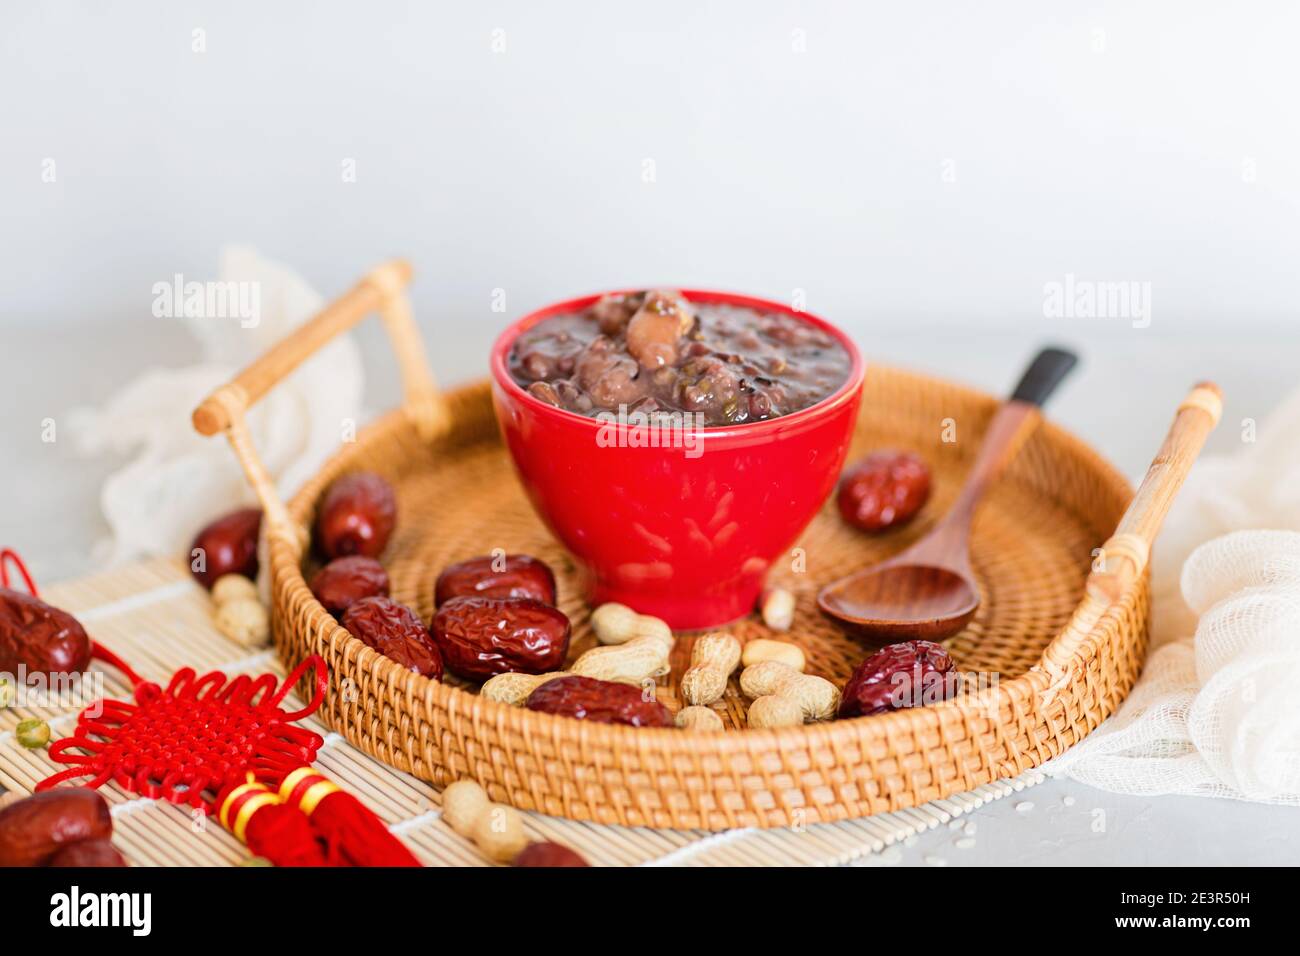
1153	142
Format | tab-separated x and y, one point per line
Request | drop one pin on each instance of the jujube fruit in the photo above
35	829
884	490
345	581
356	516
395	631
482	637
226	546
505	576
39	637
585	698
909	674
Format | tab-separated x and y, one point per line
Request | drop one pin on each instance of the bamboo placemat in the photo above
158	620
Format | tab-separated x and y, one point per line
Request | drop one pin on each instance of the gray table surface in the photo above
1120	400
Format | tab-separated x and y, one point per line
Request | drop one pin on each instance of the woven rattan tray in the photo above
157	617
1055	657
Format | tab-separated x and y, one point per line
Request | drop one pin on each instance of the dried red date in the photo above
884	490
586	698
39	637
34	830
546	853
482	637
910	674
227	546
344	581
93	853
507	576
356	516
395	631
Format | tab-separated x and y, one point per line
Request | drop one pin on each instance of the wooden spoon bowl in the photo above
928	592
902	602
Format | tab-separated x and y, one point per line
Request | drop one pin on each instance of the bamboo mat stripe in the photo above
158	620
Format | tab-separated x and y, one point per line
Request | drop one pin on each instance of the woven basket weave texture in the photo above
1031	550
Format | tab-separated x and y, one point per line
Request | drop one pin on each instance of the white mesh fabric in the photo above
1216	711
176	481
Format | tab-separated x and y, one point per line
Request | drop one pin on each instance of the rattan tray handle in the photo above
381	290
1122	560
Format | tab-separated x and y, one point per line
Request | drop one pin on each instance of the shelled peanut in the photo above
498	830
815	697
239	614
777	609
713	658
618	624
233	587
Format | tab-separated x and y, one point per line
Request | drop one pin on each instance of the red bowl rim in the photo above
852	383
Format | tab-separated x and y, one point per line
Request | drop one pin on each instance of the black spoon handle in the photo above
1046	371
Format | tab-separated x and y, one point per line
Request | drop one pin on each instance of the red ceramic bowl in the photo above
685	533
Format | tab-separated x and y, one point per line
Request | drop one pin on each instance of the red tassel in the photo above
347	826
285	836
270	829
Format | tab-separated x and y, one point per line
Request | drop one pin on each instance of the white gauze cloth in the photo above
177	480
1216	711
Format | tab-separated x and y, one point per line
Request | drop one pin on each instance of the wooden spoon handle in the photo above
1123	558
1012	423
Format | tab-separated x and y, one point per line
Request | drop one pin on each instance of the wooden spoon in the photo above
928	592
